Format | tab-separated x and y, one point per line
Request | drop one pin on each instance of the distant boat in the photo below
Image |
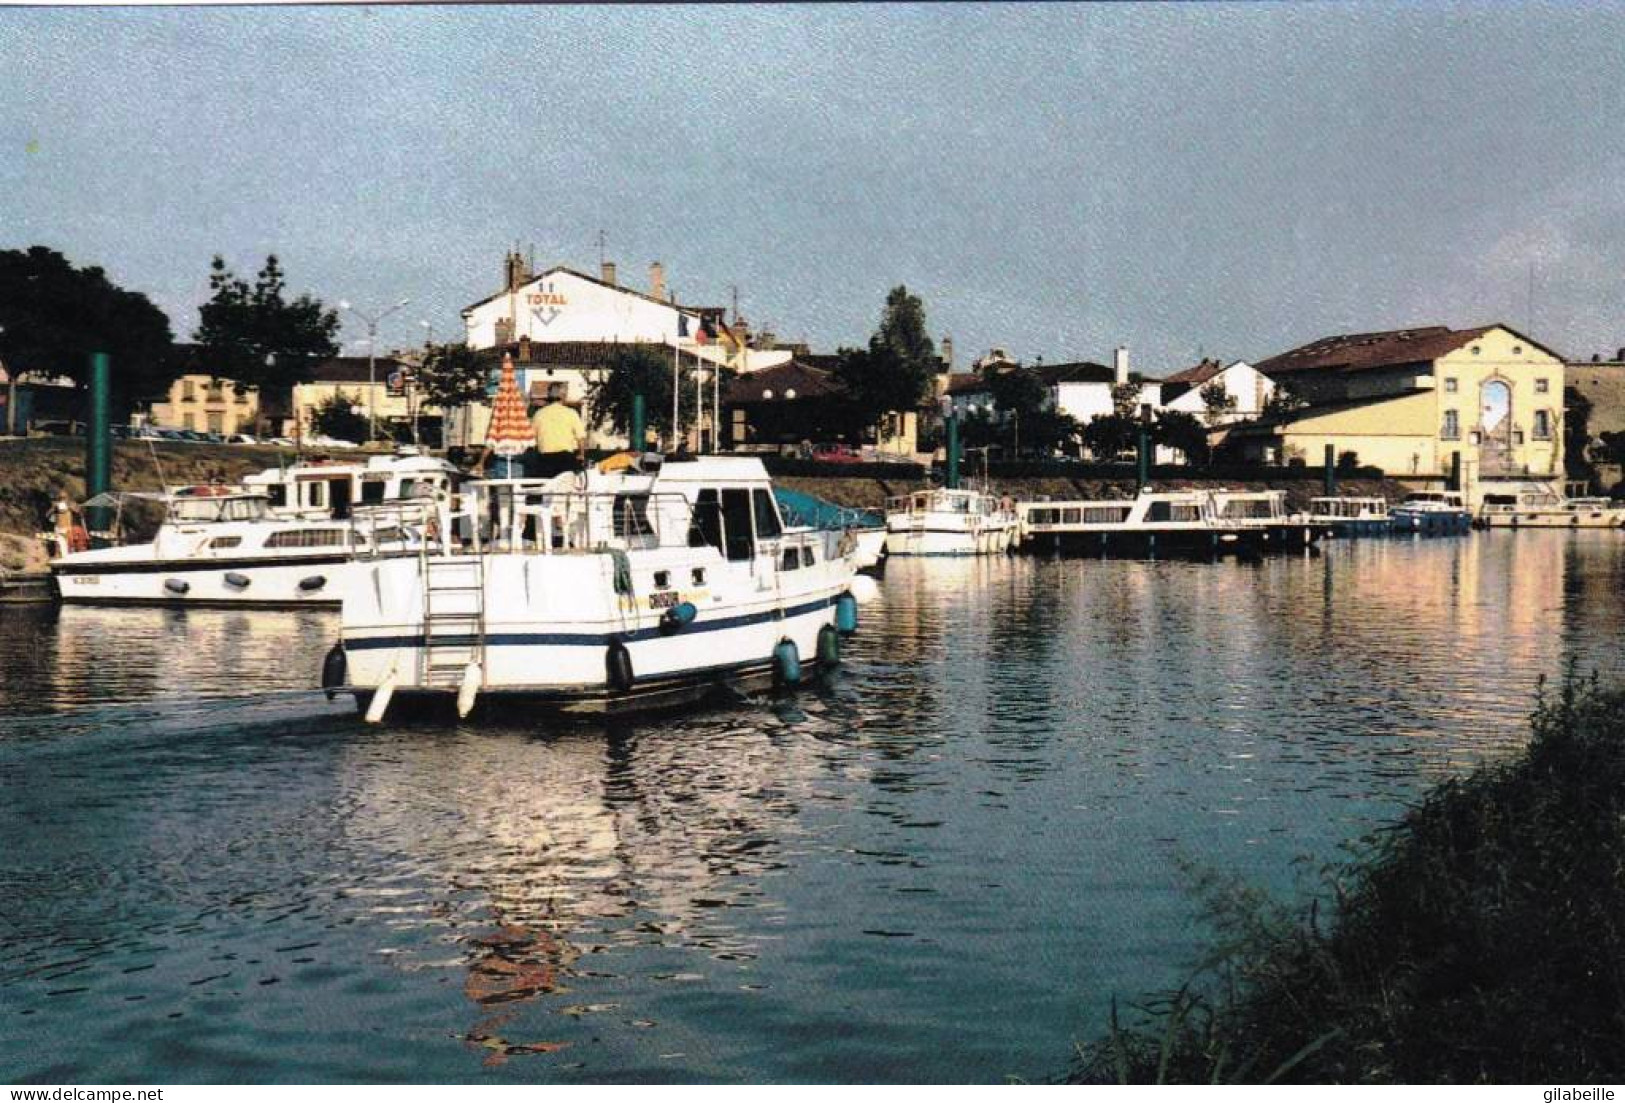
945	521
1548	511
1352	516
1153	523
318	489
1265	511
1432	513
866	530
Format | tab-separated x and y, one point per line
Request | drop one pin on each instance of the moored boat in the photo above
949	521
1432	513
1153	523
1349	516
607	591
220	545
1265	511
865	530
317	489
1548	511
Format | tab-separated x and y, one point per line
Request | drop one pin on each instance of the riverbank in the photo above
1477	941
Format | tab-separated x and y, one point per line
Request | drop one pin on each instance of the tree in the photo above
1029	423
1577	434
894	373
336	417
55	315
255	336
452	375
1126	399
1109	435
1282	400
1217	403
637	370
1185	433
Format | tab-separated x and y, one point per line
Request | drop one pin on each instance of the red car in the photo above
836	453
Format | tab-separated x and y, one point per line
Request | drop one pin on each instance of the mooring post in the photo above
1331	471
1455	471
1142	459
638	417
950	478
99	441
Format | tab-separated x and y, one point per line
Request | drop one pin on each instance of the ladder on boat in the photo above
453	618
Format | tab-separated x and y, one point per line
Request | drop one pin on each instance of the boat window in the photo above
790	560
1070	516
1042	516
697	576
316	494
807	556
767	517
372	491
305	538
392	535
339	498
195	509
736	524
632	516
705	525
225	541
242	509
1106	515
662	580
277	494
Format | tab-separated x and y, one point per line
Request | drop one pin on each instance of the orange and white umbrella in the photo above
510	432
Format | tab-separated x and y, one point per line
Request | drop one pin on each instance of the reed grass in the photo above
1479	939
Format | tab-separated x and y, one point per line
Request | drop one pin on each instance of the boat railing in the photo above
537	515
397	527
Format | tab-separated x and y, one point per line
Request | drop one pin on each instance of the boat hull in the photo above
1555	519
948	541
294	582
1431	522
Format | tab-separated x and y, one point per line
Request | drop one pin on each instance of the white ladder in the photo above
453	618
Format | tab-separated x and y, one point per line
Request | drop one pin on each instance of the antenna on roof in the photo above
600	250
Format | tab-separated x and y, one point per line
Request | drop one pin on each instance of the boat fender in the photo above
829	646
786	663
313	583
335	668
468	690
864	588
240	581
678	617
846	613
618	666
177	585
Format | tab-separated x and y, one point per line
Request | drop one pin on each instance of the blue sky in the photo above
1055	179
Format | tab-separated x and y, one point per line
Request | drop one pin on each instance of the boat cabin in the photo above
332	488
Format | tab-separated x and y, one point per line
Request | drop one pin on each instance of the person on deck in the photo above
561	436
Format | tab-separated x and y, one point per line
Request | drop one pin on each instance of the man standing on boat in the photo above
561	437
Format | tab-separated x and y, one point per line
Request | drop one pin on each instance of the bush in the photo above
1479	940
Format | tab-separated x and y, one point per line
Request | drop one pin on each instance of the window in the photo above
1452	426
225	541
767	517
1542	386
372	491
316	494
189	421
1543	425
736	527
306	538
662	580
697	576
807	556
1450	385
277	494
705	527
188	391
790	560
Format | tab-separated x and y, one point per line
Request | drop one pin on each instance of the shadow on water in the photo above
937	865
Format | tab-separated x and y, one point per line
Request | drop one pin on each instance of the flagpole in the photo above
699	410
676	393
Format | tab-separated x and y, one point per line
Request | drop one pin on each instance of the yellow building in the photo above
381	390
208	404
1417	403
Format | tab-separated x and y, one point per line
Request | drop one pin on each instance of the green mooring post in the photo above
1142	460
1455	471
950	477
638	415
1331	471
99	441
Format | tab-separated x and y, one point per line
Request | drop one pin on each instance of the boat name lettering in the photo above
664	600
86	579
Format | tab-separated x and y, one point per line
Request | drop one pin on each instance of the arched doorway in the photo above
1495	427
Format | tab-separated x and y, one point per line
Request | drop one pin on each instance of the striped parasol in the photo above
510	432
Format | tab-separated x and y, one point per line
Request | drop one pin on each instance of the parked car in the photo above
282	442
836	453
242	438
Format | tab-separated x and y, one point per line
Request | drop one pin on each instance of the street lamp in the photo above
372	321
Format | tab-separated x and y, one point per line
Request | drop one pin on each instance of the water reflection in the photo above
940	865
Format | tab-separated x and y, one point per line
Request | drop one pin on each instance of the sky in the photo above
1054	179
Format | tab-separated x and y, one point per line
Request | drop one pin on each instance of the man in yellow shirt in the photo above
561	437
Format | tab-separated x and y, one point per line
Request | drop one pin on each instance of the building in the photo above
1082	389
207	404
1601	383
377	388
800	403
1419	402
1244	384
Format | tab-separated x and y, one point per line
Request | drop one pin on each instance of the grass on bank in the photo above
1480	939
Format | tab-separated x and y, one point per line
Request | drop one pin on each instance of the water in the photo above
938	866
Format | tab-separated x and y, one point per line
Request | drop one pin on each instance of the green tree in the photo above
1185	433
452	375
894	373
1126	399
55	315
1217	403
336	417
1109	435
1282	400
1577	435
1029	422
256	336
634	370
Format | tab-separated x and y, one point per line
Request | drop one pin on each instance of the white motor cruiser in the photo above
945	521
1536	510
220	545
315	489
651	583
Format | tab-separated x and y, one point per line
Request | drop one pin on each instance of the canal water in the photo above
940	865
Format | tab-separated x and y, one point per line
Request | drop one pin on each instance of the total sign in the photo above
546	306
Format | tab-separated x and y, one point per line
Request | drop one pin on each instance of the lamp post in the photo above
412	381
372	321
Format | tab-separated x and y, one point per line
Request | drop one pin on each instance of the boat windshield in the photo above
207	510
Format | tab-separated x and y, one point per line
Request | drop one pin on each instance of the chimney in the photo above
1120	365
948	353
1620	355
657	280
524	347
609	273
513	271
